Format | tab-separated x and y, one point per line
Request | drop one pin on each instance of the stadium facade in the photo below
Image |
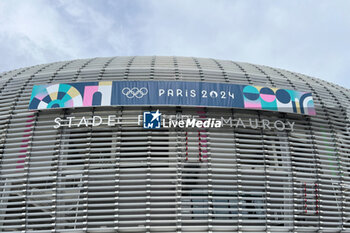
75	161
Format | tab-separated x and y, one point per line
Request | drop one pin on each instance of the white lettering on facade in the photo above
70	121
180	121
96	120
58	122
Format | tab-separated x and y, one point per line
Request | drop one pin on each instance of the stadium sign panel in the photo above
170	93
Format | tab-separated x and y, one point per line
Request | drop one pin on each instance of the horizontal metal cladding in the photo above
129	179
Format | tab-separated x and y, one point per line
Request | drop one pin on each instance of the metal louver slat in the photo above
129	179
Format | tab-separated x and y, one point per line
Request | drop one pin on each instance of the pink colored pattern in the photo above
40	96
69	103
268	98
202	141
311	111
89	92
25	141
252	105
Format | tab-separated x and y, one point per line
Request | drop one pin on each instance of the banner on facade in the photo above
170	93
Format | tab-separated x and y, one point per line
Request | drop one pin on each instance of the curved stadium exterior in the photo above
178	179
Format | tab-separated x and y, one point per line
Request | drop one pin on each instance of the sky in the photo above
305	36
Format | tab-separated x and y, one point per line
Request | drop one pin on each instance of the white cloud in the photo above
300	35
35	32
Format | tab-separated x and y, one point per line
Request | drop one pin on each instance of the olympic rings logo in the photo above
134	92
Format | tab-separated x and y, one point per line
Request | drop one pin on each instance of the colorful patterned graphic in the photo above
55	96
97	95
170	93
71	95
275	99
